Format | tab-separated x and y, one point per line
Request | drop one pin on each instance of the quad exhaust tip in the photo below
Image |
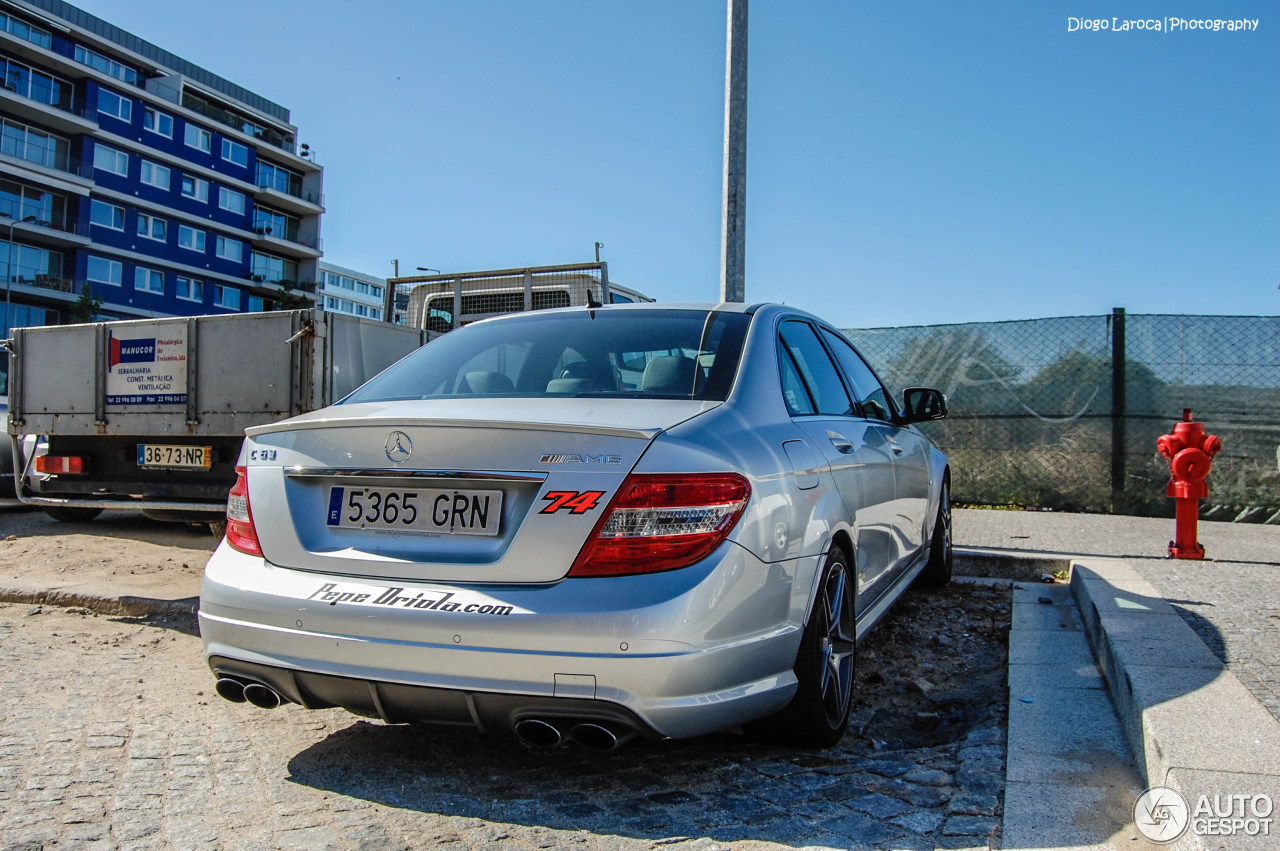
538	733
229	689
598	737
542	733
261	696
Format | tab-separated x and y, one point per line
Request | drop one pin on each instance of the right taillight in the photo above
663	522
241	534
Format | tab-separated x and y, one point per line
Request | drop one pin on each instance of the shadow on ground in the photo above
728	786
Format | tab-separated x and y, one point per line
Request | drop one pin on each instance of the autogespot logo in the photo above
399	447
1161	814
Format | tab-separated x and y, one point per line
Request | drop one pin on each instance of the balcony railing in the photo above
57	95
294	188
44	282
18	213
25	149
232	119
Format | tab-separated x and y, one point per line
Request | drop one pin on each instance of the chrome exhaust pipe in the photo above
261	696
598	737
229	689
537	733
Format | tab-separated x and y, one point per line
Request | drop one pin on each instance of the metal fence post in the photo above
733	223
457	302
1118	360
528	290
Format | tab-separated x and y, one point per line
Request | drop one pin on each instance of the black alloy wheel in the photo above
818	713
937	572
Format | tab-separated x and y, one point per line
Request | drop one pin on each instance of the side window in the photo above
798	402
871	393
817	370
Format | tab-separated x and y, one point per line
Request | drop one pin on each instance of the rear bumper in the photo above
672	654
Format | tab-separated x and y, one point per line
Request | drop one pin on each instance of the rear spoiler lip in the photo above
450	422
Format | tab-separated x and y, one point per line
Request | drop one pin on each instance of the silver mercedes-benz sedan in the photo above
584	524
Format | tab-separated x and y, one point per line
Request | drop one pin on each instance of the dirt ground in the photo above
120	553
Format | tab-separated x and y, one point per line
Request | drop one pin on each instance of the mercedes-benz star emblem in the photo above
399	446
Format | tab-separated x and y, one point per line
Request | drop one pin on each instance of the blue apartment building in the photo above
164	188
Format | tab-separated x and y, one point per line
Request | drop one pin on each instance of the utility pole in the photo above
599	245
733	221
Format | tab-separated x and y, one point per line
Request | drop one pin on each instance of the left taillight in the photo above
61	465
241	534
663	522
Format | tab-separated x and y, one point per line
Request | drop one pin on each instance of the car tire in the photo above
68	514
937	571
818	713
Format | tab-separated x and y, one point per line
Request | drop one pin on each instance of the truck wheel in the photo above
937	572
818	714
68	514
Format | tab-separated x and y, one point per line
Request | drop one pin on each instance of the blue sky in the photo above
908	163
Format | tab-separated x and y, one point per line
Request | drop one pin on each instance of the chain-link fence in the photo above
1064	413
434	302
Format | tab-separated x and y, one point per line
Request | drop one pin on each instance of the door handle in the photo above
842	444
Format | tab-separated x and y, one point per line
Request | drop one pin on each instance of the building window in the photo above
110	67
273	270
362	287
272	176
154	174
103	271
362	310
375	290
228	297
110	103
30	265
234	152
196	137
270	223
148	280
195	189
231	200
18	201
190	289
109	159
191	238
258	304
36	146
230	249
24	30
106	215
157	122
331	303
27	82
152	227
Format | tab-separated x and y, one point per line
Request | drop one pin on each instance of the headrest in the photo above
670	374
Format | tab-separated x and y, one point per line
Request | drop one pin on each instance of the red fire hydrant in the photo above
1190	452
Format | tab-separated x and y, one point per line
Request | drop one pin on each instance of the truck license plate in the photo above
449	512
185	457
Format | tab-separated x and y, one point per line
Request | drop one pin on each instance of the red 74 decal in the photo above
577	502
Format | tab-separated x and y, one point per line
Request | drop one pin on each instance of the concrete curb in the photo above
126	605
1008	564
1189	721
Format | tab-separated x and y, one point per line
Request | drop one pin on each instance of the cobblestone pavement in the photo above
1231	599
110	737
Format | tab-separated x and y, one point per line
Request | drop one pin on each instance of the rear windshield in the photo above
662	354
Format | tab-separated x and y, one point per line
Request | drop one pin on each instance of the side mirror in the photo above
921	404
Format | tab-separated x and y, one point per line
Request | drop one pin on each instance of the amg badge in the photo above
580	459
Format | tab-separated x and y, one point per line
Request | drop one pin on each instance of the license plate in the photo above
188	457
443	511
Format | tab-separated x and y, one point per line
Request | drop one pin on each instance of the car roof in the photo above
722	307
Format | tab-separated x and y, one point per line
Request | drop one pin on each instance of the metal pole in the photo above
733	221
1118	423
8	278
